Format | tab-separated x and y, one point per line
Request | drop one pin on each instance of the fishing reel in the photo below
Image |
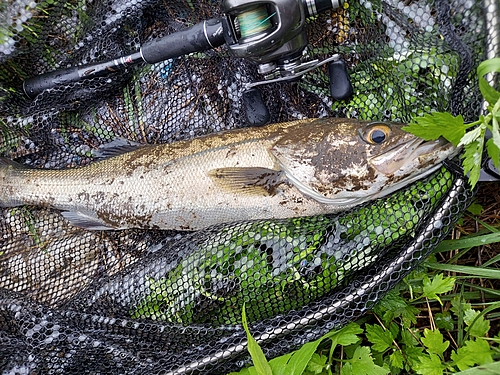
272	33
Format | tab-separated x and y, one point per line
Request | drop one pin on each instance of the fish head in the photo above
345	162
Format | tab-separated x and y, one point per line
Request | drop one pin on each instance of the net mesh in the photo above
137	301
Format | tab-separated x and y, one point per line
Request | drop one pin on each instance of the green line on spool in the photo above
254	21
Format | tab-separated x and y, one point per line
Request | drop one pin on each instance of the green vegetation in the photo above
432	323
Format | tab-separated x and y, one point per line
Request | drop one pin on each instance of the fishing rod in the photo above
271	33
198	38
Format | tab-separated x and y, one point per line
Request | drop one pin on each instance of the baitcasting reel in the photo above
270	32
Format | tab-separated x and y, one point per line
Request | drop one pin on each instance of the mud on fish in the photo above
284	170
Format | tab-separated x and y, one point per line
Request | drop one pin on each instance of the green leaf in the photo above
346	369
317	363
493	152
430	365
362	363
433	340
413	354
438	124
470	136
473	352
488	66
258	358
486	369
380	338
477	325
475	209
471	160
396	359
296	362
393	306
347	335
437	285
278	364
444	320
495	131
408	338
299	360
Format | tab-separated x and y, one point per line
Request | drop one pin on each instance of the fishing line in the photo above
254	21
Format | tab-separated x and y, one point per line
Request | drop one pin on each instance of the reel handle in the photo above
256	112
340	83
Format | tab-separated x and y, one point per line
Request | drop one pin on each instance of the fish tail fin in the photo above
7	187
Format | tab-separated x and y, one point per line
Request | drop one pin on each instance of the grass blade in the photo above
492	260
467	242
469	270
487	369
278	364
258	358
300	359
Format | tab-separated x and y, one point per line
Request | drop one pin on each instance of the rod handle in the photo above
198	38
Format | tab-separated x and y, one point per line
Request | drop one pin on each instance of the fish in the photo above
283	170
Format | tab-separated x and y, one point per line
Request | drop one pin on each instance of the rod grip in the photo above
37	84
198	38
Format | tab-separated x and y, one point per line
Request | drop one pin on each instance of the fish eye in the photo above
376	133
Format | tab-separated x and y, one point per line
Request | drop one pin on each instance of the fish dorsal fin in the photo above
118	146
85	220
248	180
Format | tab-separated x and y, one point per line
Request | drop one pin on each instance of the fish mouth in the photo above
416	155
412	161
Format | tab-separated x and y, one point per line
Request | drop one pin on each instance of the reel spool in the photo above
254	23
257	30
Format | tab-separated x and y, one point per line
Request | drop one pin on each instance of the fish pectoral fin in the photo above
248	180
85	220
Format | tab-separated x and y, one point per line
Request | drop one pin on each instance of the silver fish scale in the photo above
166	301
241	175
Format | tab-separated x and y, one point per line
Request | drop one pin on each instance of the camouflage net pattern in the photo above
136	301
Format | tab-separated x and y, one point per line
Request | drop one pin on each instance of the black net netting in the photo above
75	300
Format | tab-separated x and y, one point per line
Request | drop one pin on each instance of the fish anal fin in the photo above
248	180
85	220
